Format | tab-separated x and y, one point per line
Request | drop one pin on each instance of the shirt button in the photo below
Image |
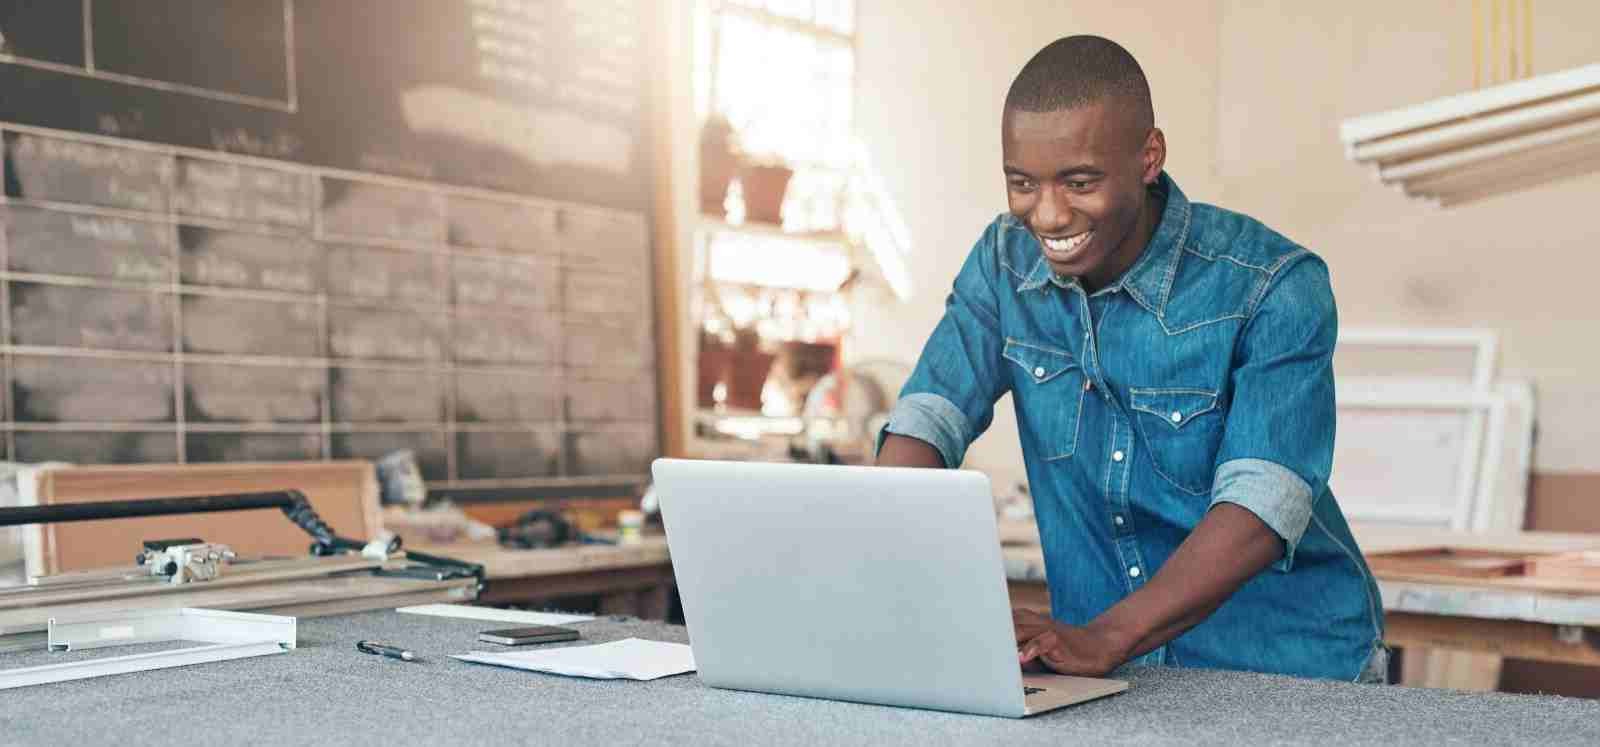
1038	373
1133	572
1088	384
1117	519
1177	417
1117	456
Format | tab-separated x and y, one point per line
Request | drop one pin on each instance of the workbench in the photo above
632	579
325	692
1522	618
1483	620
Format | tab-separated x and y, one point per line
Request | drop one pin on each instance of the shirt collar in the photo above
1149	280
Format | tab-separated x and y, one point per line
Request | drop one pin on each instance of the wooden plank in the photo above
345	494
662	104
1528	584
1380	540
1450	561
1573	566
1515	639
500	563
1377	538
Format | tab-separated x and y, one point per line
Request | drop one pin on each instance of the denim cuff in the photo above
1281	498
932	419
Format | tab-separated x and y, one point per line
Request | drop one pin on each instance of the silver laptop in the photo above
868	584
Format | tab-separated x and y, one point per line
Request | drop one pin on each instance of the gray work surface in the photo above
325	692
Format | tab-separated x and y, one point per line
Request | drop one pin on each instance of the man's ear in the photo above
1154	155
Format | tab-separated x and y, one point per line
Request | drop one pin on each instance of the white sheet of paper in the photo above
630	658
497	615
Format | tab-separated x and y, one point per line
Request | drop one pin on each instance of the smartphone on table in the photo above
530	634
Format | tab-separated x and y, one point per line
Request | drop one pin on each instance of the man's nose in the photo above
1052	216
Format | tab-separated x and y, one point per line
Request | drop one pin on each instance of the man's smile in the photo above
1066	248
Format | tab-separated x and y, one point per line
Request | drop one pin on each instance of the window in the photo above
784	79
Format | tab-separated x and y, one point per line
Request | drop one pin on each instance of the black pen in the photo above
384	649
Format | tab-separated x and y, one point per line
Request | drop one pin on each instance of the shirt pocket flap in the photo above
1175	407
1042	364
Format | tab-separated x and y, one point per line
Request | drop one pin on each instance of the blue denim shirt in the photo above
1202	375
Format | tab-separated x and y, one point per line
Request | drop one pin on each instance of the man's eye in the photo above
1022	185
1077	184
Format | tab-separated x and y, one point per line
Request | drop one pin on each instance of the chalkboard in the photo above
537	97
327	229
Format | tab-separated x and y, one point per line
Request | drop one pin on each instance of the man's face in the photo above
1078	178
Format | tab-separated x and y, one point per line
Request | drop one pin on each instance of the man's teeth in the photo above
1068	244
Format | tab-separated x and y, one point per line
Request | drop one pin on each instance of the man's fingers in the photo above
1036	646
1055	659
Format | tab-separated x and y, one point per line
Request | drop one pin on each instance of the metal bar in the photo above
229	635
171	624
1577	134
79	586
63	512
81	670
1471	104
1486	127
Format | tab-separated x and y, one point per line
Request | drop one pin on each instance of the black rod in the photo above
293	503
62	512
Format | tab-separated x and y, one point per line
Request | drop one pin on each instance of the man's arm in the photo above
949	399
1229	547
905	451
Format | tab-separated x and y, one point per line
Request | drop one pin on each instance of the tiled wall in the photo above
165	305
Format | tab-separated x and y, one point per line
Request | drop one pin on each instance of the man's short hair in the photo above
1076	70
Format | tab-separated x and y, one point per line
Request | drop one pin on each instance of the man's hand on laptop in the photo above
1087	651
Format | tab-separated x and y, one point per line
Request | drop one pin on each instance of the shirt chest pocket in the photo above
1182	428
1048	386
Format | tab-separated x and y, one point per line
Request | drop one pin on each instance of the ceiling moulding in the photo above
1490	141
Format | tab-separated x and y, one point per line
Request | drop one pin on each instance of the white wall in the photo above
1250	98
1523	263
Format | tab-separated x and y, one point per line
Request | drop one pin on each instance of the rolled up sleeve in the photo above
1277	448
933	419
949	399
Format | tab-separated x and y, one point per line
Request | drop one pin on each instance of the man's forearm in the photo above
1228	547
905	451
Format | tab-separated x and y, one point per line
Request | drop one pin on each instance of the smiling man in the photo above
1170	363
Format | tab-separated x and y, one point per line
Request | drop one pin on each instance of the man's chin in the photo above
1068	269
